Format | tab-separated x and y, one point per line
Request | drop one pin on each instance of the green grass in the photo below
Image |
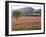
26	26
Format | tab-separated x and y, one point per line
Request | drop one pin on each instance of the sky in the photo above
18	6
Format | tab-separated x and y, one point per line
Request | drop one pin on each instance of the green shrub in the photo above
16	14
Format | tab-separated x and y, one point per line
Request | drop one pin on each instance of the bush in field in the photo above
16	14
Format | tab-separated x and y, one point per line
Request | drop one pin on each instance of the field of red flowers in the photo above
32	19
27	23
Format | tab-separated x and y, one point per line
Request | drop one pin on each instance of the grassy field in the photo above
26	26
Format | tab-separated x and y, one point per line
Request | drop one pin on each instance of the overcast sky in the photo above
18	6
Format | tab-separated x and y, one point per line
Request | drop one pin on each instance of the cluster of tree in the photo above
16	14
38	12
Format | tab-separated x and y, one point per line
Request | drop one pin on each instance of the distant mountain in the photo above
29	11
26	10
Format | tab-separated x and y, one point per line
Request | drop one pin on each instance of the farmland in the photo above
26	18
27	23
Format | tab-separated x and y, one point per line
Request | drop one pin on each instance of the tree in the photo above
16	14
